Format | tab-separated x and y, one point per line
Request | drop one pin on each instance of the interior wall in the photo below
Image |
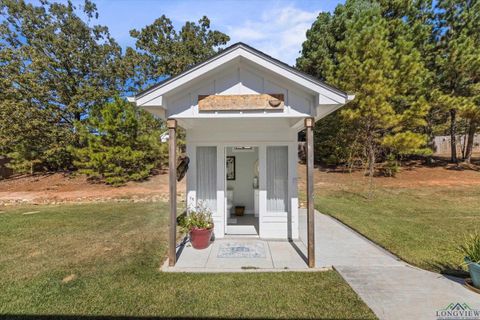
242	186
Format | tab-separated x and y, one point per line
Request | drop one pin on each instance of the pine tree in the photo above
458	66
372	52
120	143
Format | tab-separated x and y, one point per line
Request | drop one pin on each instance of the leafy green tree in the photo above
364	49
161	51
120	143
458	66
55	69
334	142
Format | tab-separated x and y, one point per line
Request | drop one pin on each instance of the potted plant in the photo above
471	251
198	223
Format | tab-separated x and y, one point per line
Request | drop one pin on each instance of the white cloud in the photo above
279	32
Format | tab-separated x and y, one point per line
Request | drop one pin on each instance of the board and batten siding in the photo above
239	79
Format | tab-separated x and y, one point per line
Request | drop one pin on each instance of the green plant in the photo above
199	217
391	167
118	144
471	247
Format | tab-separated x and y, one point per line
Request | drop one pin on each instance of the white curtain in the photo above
207	177
277	179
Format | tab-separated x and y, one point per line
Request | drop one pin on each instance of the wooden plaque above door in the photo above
240	102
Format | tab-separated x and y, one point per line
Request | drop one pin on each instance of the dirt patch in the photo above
62	188
409	177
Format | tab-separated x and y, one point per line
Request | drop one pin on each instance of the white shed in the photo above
242	110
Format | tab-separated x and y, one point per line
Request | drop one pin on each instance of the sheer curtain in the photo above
207	177
277	179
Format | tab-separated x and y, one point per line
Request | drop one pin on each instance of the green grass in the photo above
422	226
114	251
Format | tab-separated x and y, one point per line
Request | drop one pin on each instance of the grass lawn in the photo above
423	226
103	259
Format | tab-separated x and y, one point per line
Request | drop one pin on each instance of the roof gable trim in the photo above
235	51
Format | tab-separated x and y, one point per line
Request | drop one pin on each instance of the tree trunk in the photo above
371	167
463	145
371	160
453	135
472	129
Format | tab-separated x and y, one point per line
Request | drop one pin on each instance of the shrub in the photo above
391	167
119	144
471	247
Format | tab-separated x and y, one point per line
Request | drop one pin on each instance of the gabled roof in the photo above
257	53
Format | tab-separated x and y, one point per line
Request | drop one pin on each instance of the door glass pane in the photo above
277	178
207	177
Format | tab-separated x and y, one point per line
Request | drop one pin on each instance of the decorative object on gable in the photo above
230	167
240	102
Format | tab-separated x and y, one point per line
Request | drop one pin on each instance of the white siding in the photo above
240	78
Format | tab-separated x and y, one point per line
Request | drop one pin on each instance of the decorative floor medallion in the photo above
242	250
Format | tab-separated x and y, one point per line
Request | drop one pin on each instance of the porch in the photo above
237	254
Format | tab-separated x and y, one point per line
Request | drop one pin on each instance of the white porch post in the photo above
172	167
309	123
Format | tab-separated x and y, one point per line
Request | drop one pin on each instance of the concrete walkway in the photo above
392	288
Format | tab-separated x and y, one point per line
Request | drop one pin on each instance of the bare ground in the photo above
63	188
411	176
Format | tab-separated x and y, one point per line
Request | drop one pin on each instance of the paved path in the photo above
392	288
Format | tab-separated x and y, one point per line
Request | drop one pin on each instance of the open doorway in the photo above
242	182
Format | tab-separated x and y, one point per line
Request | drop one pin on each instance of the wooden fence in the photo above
442	145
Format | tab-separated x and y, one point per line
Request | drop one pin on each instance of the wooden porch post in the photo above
309	123
172	180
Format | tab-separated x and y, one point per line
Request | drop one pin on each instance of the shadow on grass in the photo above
83	317
448	269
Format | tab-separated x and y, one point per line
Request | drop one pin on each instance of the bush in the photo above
471	247
119	144
391	167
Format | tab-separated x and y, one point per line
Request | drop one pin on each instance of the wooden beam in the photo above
172	179
239	102
309	123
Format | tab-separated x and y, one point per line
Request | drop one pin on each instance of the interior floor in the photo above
243	225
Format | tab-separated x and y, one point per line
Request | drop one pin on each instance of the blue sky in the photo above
275	27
